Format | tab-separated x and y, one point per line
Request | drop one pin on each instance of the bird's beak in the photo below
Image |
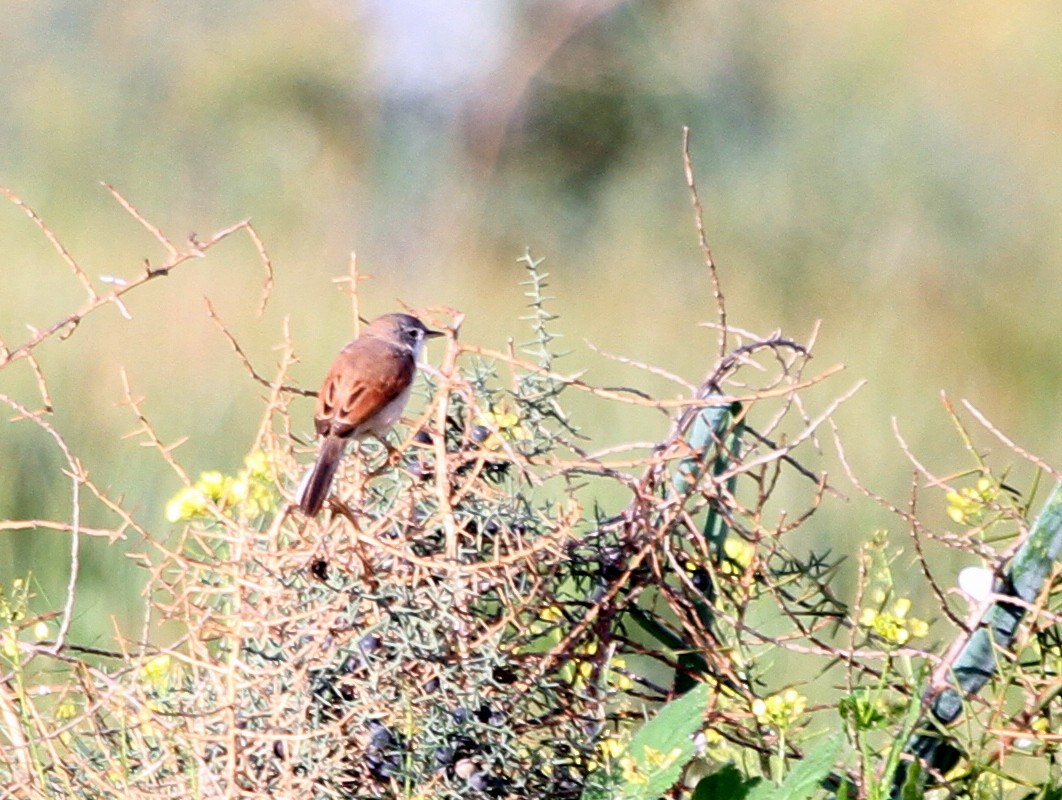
430	334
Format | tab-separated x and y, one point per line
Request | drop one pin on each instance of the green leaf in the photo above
912	784
727	782
807	775
1052	793
664	745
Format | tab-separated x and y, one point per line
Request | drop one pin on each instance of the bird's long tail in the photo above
315	487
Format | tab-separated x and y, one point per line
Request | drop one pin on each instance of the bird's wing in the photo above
366	376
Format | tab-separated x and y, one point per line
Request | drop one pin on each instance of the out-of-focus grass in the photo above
891	169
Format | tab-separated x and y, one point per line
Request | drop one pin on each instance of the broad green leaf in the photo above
727	783
807	775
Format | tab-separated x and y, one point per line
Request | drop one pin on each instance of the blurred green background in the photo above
890	168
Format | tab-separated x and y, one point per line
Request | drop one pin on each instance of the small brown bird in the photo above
364	393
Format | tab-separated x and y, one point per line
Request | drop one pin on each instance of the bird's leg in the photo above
394	456
368	572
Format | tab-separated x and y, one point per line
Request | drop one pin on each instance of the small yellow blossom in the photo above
40	631
250	493
632	774
65	711
968	505
739	551
894	626
503	423
780	711
659	760
551	614
611	747
620	679
258	466
212	484
159	673
189	502
1040	730
156	667
9	644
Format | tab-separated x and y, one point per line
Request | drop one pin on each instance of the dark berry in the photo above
380	735
503	675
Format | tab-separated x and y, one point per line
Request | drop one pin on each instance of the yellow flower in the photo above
156	667
250	493
739	551
617	677
258	465
189	502
780	711
659	760
918	627
504	423
66	711
9	644
158	672
611	747
551	614
631	772
40	630
212	484
236	491
894	626
63	713
968	505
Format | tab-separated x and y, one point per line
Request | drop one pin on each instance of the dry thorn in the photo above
1021	451
48	524
242	356
77	477
659	372
42	383
267	265
353	278
620	397
66	326
153	229
702	240
79	273
147	429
